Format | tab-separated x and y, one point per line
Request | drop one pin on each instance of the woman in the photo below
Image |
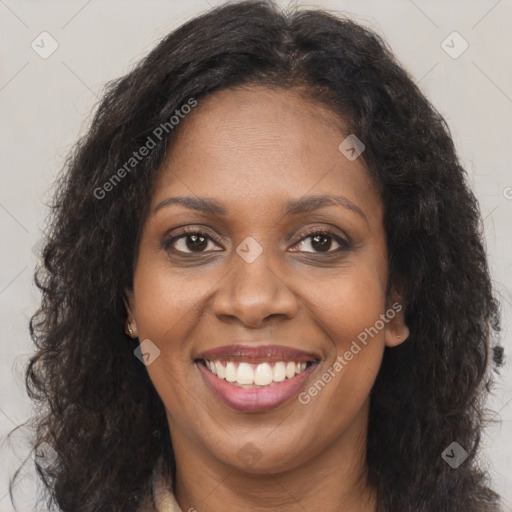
265	286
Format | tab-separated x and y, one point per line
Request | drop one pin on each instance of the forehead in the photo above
262	145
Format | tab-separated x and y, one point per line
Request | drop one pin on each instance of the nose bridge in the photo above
252	291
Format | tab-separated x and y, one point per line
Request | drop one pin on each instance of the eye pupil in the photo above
321	242
198	242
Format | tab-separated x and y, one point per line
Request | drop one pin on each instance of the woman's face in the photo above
277	284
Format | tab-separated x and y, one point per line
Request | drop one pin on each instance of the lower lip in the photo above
255	399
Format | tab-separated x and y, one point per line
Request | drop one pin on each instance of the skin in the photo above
254	149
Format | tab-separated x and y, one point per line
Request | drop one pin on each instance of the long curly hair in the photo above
95	404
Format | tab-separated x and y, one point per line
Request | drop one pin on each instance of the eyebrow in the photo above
294	207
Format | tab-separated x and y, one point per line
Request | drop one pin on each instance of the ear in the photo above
396	331
129	304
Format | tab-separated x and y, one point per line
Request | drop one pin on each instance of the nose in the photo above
252	293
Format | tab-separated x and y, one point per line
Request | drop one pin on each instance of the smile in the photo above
255	379
256	375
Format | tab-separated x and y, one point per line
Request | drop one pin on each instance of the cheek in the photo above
168	301
169	304
347	303
349	309
165	315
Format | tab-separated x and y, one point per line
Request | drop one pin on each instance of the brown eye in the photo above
191	242
322	241
196	242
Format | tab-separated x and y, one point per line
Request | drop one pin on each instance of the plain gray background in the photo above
46	102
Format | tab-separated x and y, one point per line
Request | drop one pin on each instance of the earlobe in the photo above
395	337
129	304
396	331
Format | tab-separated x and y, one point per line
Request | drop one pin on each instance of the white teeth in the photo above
245	374
299	368
230	372
221	371
262	374
290	370
279	373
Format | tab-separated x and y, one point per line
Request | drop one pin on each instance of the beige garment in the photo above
166	502
164	497
161	498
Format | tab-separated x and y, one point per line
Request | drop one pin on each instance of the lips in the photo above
257	354
255	378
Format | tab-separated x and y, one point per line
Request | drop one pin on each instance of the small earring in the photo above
130	330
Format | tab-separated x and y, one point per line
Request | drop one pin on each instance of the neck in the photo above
332	480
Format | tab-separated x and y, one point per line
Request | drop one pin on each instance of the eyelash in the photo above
187	231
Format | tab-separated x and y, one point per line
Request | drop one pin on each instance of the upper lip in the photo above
255	354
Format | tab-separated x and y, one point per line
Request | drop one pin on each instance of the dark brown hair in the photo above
95	399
